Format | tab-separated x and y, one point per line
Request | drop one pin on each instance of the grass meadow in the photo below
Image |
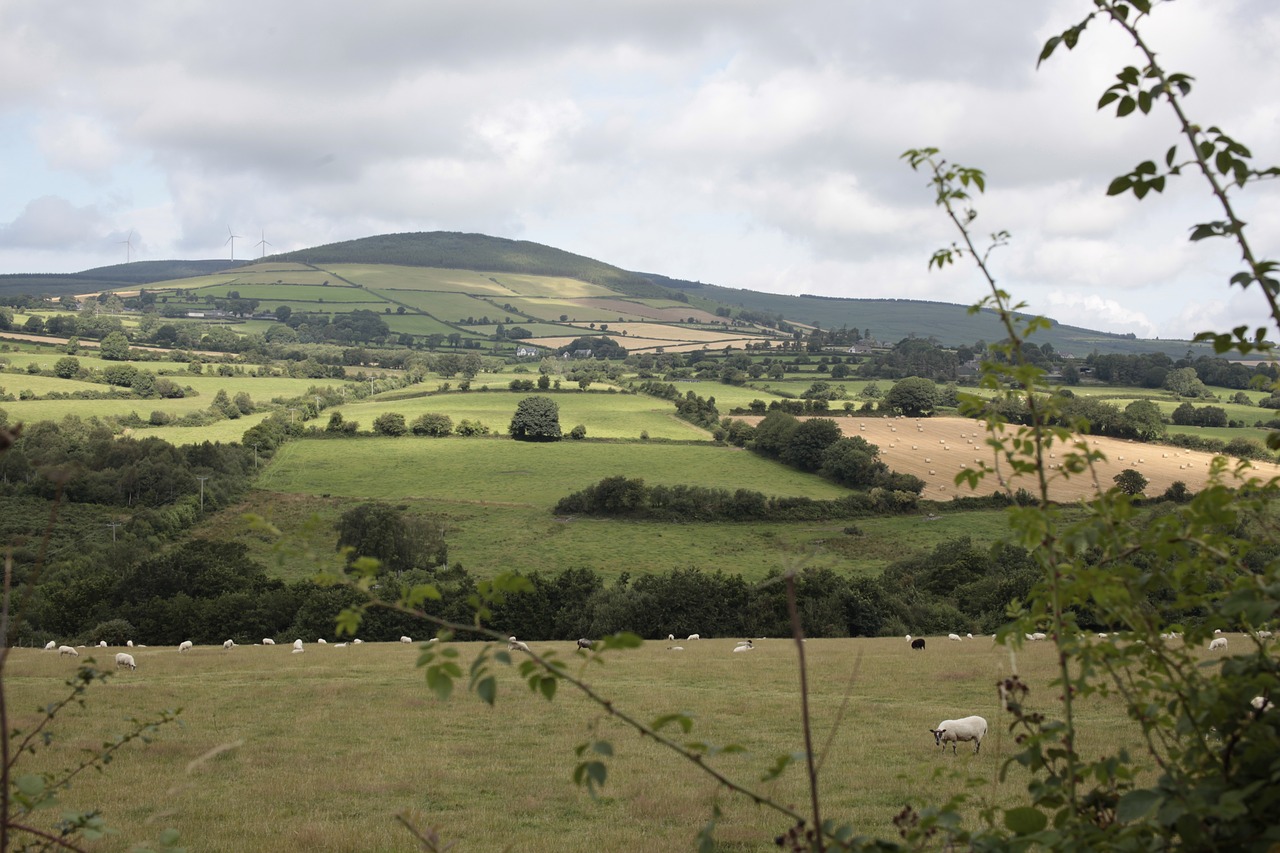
319	751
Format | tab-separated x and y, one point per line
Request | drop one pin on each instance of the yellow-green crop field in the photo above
319	751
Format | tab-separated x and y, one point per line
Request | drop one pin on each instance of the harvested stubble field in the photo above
318	751
937	449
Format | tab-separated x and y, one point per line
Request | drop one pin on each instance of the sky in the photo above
744	143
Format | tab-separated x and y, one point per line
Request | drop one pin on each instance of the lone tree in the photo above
1130	481
403	543
536	419
914	397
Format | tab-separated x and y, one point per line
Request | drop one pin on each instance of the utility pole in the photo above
292	412
202	479
113	525
255	455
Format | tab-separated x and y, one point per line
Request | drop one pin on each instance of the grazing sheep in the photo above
322	641
954	731
128	643
694	637
743	647
584	643
670	637
267	641
339	645
908	638
102	644
1039	635
969	636
675	648
514	645
123	659
67	650
1218	643
1217	631
184	646
1264	635
296	650
357	642
229	644
918	644
297	645
406	639
954	637
50	646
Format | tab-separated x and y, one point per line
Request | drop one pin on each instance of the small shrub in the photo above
578	432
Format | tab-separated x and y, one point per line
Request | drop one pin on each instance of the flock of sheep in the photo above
972	728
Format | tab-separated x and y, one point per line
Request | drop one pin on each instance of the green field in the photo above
319	751
604	415
518	473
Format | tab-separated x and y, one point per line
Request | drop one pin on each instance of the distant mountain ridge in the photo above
885	320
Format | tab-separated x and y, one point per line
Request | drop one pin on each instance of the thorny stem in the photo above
797	632
1191	132
1048	541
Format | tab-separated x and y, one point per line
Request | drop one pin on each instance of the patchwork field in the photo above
319	751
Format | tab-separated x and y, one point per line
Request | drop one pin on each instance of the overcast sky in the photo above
744	143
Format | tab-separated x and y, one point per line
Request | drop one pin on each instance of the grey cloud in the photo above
51	222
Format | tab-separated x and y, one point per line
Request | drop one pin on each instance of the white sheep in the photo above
123	659
675	648
1217	631
67	650
322	641
267	641
670	637
955	637
297	645
514	645
1039	635
128	643
1218	643
50	646
339	645
229	644
743	647
695	637
296	650
357	642
969	636
185	646
406	639
102	644
953	731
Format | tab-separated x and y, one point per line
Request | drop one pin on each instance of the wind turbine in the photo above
231	238
263	243
128	247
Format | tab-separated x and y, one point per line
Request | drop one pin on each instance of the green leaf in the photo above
548	687
1025	820
487	689
1048	49
30	784
685	721
439	681
1120	185
1137	805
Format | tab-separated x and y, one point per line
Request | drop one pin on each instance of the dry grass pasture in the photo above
937	449
318	751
